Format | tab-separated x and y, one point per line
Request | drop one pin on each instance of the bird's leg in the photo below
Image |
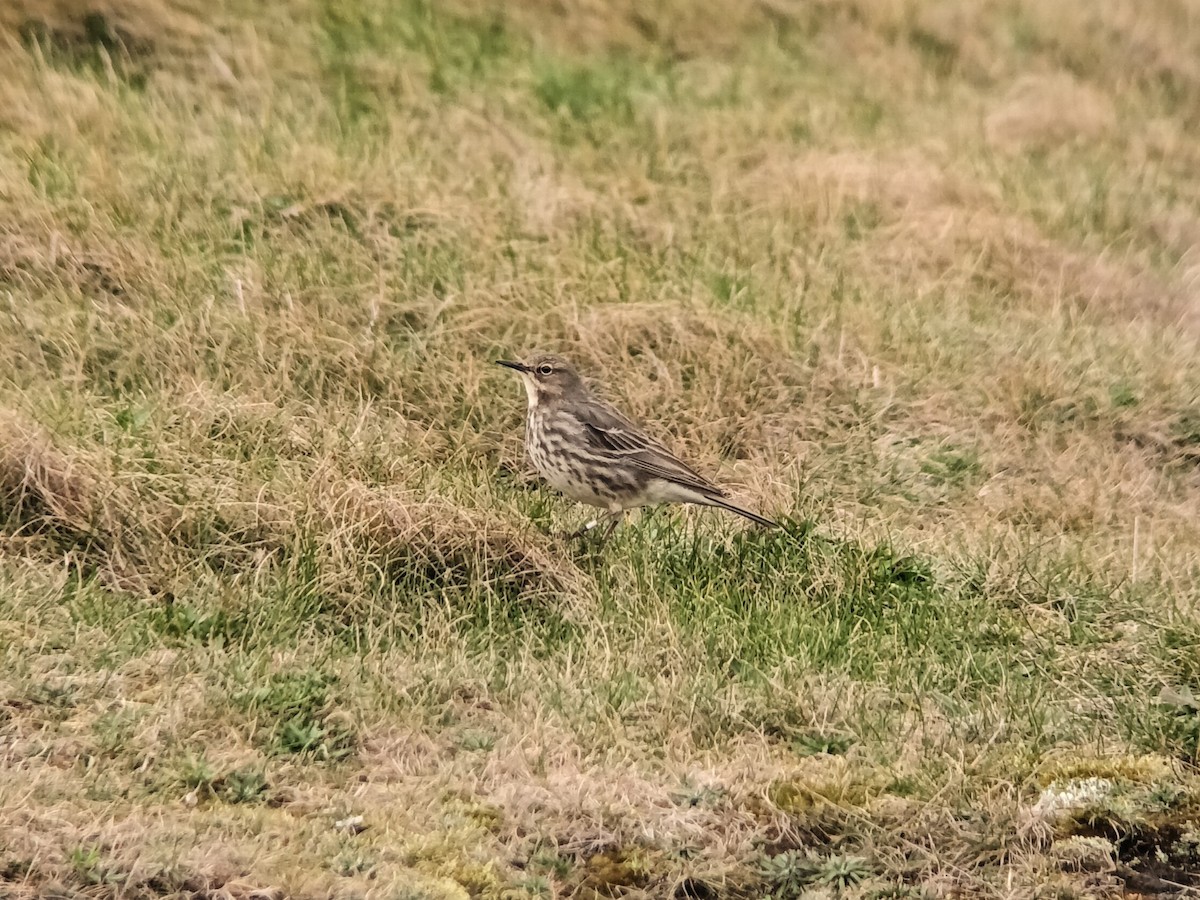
584	530
614	519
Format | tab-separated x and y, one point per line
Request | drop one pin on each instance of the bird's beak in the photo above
519	367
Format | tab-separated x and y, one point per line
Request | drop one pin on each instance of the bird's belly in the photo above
580	477
568	475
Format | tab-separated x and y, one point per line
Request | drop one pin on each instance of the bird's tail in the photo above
734	508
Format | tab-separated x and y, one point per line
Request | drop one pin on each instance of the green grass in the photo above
918	285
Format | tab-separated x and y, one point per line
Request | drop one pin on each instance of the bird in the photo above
586	449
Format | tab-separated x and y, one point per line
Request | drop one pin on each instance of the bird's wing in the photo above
610	432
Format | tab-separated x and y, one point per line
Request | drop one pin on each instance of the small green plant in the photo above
476	740
812	743
860	219
242	786
732	288
553	863
89	867
196	772
114	731
904	786
532	886
189	624
351	863
952	466
1122	395
133	418
304	719
302	734
582	93
57	702
706	795
786	874
841	871
1186	429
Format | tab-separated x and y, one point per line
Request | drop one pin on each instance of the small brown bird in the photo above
585	448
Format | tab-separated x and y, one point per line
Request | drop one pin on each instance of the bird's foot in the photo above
582	532
608	520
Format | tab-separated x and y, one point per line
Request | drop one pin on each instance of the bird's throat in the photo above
530	390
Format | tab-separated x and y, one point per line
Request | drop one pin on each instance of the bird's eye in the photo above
544	370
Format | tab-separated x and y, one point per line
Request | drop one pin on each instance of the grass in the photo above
918	283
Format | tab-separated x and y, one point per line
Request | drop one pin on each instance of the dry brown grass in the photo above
920	278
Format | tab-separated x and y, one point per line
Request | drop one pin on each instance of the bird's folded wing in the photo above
610	432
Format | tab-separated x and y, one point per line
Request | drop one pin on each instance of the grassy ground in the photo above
921	283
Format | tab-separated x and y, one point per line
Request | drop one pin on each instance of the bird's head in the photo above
547	378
